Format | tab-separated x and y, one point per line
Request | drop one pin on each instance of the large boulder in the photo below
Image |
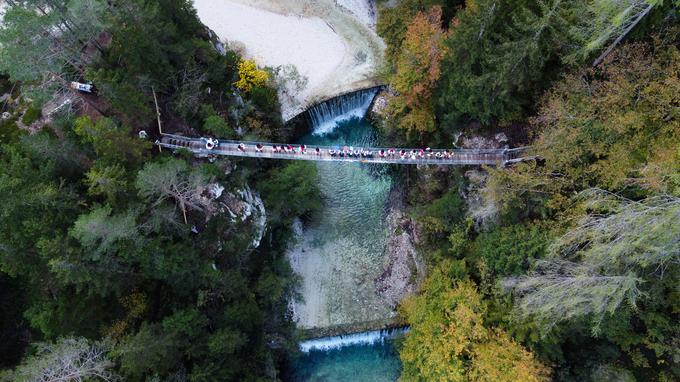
243	206
476	141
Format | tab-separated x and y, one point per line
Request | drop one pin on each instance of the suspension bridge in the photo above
209	147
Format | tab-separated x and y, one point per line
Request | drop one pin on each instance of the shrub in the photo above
442	215
291	191
510	250
9	131
218	127
250	76
31	115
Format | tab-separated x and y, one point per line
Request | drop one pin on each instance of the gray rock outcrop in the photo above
404	269
242	206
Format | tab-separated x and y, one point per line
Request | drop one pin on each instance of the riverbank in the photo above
332	44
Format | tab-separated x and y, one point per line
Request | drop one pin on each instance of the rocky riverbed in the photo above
359	258
359	276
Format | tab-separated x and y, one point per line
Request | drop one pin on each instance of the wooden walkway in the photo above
457	157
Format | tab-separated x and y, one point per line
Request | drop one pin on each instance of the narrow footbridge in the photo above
208	147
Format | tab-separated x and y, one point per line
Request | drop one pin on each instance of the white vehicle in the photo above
87	88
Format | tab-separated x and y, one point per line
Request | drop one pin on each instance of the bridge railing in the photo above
268	145
230	148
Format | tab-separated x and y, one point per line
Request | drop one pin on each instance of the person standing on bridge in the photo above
258	148
241	147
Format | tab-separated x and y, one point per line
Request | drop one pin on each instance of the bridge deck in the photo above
459	157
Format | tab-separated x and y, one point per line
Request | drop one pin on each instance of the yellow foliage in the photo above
258	126
472	6
449	342
419	118
250	76
418	70
135	304
433	348
503	360
433	224
618	129
117	329
662	171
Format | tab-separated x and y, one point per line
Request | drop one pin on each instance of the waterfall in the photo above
365	338
326	115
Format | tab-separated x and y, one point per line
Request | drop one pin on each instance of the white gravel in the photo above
333	44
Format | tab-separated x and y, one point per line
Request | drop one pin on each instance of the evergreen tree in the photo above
44	43
496	60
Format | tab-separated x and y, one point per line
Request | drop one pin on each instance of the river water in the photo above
339	256
378	362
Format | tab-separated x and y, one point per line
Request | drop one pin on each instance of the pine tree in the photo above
497	55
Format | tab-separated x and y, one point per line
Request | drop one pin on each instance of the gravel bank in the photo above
333	44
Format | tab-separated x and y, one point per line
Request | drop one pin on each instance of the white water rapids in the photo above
325	117
365	338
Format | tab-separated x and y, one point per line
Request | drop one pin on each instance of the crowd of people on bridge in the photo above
348	152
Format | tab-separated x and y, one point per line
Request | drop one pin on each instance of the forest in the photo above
120	261
101	276
563	268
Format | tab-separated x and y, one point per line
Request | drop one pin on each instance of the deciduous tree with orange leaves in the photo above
417	71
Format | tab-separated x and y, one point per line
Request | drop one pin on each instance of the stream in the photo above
340	254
